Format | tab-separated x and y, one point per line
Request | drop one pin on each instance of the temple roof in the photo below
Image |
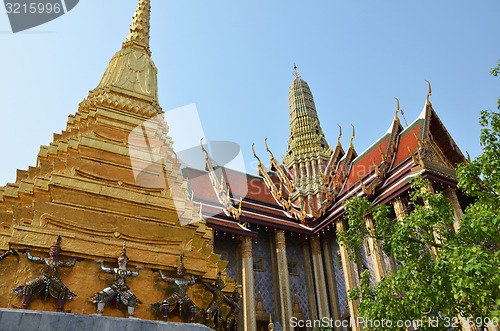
381	172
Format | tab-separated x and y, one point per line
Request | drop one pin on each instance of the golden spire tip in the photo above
139	28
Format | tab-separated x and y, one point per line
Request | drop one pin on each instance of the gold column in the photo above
399	208
377	261
451	195
283	279
348	277
249	322
310	282
319	278
330	274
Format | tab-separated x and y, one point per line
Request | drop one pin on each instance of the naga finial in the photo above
267	147
353	134
429	93
255	155
201	145
340	134
399	110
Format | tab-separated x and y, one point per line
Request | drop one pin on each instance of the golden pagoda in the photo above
109	177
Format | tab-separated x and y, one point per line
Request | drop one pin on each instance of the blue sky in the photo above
234	60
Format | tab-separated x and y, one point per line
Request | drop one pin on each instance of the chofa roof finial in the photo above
399	110
429	93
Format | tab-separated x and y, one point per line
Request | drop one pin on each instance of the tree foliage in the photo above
441	273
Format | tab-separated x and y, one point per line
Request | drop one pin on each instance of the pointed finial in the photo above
296	73
399	110
254	154
270	326
340	134
57	243
429	93
353	135
267	147
139	29
124	250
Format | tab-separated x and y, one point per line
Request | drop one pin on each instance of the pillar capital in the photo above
246	246
280	239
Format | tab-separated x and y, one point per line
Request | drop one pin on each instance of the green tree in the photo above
442	273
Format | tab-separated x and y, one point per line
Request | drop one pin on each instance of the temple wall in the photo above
227	246
339	277
264	279
298	282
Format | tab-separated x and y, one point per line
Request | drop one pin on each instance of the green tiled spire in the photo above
306	140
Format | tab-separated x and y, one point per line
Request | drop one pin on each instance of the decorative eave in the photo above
222	190
283	200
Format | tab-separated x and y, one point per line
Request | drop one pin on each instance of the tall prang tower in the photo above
308	151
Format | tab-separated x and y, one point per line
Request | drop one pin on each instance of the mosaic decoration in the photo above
295	253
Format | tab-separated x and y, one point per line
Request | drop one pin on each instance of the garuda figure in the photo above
119	289
179	298
48	283
232	318
214	309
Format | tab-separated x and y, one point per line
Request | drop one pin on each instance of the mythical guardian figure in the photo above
234	303
179	298
214	309
119	289
9	252
49	282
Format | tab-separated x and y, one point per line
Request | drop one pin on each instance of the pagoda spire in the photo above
308	151
139	29
131	74
306	138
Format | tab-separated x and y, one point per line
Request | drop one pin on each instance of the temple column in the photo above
451	195
319	278
330	275
249	321
399	206
283	280
348	277
377	260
